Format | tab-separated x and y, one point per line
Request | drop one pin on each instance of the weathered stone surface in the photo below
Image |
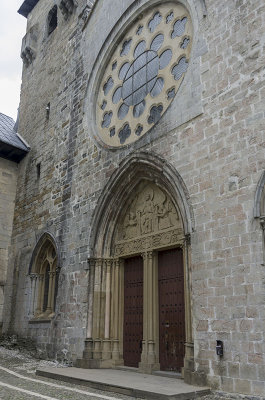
218	156
8	183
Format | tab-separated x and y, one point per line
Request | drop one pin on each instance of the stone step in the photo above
127	383
168	374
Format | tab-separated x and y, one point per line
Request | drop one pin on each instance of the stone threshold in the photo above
166	374
128	383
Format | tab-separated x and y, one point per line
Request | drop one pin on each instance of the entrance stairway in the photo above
128	383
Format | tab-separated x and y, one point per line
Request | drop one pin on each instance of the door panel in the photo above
171	310
133	311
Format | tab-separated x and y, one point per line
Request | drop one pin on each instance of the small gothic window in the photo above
52	20
44	282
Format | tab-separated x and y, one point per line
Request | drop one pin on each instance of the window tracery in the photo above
44	282
144	74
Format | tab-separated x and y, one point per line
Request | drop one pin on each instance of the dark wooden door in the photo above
171	310
133	311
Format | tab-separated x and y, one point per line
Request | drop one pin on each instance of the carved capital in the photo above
86	13
33	277
150	255
262	223
67	7
188	239
29	43
98	261
28	54
108	262
91	262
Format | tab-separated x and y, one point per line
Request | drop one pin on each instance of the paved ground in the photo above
18	381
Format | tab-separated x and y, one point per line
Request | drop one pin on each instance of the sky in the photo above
12	30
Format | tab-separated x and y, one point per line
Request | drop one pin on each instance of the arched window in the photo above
259	206
44	280
52	20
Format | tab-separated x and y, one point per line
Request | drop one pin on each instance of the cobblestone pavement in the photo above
18	381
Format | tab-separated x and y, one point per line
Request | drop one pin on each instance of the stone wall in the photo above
8	185
219	154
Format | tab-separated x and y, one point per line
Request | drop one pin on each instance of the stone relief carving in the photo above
85	15
155	241
150	211
29	44
67	7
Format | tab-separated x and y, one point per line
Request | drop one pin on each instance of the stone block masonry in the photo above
218	153
8	182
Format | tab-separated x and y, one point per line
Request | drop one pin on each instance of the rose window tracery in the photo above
144	74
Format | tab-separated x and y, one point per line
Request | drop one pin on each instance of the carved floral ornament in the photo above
150	221
144	74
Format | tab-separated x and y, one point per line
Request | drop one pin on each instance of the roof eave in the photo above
27	7
12	153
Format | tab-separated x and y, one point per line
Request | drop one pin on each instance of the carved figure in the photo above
150	211
162	213
172	213
130	224
147	213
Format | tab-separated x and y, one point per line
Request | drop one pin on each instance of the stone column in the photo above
145	314
52	291
48	310
106	352
39	308
115	307
88	351
97	309
149	357
33	285
262	223
189	345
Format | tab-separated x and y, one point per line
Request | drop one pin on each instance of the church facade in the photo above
138	232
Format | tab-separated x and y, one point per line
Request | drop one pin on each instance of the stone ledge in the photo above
133	383
40	321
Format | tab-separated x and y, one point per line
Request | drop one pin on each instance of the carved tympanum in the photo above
150	211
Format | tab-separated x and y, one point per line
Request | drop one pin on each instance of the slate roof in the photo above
12	145
27	7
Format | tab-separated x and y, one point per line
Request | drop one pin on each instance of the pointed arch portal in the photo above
139	299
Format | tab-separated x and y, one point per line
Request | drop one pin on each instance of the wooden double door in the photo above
133	311
171	310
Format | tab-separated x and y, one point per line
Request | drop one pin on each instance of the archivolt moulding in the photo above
138	167
46	236
259	202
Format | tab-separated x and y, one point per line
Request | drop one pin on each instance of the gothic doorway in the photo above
142	222
171	310
133	311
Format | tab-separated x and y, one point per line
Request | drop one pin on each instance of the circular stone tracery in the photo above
141	78
150	64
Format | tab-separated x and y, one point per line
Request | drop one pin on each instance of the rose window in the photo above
144	74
